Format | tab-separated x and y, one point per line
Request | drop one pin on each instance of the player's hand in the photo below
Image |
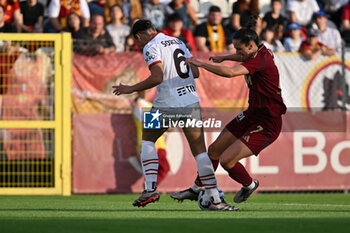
194	62
122	89
216	59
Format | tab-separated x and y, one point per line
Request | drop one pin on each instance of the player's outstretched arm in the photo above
224	71
228	57
153	80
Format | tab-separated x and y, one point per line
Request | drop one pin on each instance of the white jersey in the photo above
178	88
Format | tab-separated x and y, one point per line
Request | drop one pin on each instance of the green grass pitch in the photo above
297	213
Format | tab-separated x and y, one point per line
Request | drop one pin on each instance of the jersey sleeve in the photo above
54	9
290	5
16	6
151	55
201	30
235	9
346	12
254	64
304	47
85	12
315	6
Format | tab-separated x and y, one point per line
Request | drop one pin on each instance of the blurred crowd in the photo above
312	27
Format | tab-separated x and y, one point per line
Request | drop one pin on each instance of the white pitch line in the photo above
305	204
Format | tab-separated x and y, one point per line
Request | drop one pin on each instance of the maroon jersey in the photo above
263	82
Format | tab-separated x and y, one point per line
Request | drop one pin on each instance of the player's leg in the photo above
230	162
216	149
258	136
195	138
163	165
150	163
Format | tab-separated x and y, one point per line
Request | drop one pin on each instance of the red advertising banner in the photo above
300	160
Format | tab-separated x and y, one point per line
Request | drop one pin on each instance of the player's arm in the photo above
195	70
228	57
200	42
153	80
224	71
312	55
327	51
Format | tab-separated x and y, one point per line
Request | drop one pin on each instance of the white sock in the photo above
207	176
195	187
251	186
149	160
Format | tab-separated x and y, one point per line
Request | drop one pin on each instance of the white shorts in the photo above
192	111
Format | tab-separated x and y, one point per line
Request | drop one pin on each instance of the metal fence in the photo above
35	110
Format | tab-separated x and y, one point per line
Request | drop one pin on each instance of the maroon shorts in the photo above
254	131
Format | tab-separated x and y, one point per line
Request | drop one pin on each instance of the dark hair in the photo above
252	7
174	17
73	13
272	1
116	5
123	19
214	9
263	33
69	27
95	15
247	34
3	8
140	26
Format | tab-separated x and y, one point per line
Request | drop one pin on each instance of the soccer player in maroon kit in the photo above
253	129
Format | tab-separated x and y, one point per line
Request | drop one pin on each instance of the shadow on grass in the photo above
155	225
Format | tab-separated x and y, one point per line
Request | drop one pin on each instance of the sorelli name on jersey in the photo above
209	123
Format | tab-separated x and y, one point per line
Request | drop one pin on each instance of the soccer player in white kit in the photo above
176	94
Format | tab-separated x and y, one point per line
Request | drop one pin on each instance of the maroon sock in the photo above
239	174
215	166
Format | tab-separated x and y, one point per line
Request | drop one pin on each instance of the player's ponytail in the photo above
247	34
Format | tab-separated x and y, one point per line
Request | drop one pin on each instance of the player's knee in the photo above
213	152
227	163
147	148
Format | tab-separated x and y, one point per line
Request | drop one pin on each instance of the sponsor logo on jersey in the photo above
149	57
185	89
246	138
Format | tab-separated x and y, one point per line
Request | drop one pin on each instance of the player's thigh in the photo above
257	137
221	143
195	139
152	134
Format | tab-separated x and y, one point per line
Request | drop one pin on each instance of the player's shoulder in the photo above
262	52
155	41
151	45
